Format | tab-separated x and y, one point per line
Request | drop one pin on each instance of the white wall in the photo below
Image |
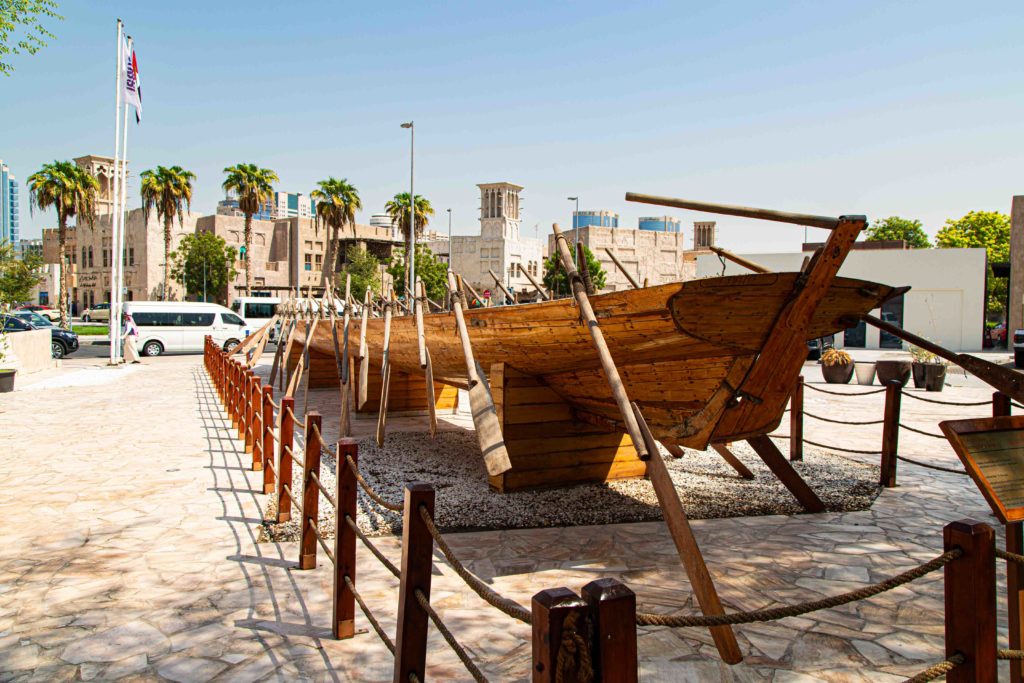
946	303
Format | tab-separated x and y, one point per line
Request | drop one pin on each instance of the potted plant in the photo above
921	359
836	366
865	372
889	370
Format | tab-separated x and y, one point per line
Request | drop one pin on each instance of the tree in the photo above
897	228
254	187
17	276
364	268
28	14
556	281
336	204
170	191
203	263
989	230
398	209
71	191
430	269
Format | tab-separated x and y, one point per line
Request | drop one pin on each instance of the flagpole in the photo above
113	332
122	208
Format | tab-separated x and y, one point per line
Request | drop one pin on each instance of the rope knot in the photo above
574	662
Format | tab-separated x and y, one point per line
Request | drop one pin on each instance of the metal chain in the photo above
921	432
773	613
842	422
374	496
489	595
843	393
369	615
457	648
372	548
937	670
930	467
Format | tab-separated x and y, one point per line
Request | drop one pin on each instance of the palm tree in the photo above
254	187
336	204
398	209
70	190
170	191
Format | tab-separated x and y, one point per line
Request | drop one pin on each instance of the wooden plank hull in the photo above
682	349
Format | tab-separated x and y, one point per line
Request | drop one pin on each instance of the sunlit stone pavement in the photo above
130	553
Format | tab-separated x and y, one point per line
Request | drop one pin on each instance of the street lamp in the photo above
575	226
411	275
449	239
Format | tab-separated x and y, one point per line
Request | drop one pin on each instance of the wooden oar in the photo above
485	415
364	361
385	370
540	290
611	372
497	281
686	544
428	370
622	269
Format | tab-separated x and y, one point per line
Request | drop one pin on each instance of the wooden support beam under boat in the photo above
686	545
731	458
364	363
739	260
418	304
778	464
826	222
382	413
611	372
622	268
497	281
540	290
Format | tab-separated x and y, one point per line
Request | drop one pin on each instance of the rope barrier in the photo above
323	489
277	406
374	496
319	437
921	432
907	394
1009	557
937	670
372	548
930	467
1015	404
1010	654
297	423
843	393
489	595
457	648
369	615
287	489
842	422
838	448
269	464
774	613
323	543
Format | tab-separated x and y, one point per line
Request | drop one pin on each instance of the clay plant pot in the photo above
865	373
918	373
837	374
7	380
889	370
934	376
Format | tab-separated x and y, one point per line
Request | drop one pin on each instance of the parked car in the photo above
816	347
62	342
99	312
34	318
181	326
43	310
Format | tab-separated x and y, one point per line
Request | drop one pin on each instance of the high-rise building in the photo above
9	221
281	205
600	219
660	224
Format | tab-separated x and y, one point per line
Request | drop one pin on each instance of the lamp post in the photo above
449	239
410	276
575	227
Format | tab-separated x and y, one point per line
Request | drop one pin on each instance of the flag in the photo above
132	86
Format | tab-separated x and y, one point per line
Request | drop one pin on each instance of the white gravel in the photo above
707	485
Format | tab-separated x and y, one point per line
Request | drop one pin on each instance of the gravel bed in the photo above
707	485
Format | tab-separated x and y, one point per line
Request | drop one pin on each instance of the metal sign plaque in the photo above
992	450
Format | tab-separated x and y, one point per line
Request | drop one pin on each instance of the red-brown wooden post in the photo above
554	611
417	562
247	420
613	614
310	494
267	449
891	433
286	438
970	589
347	493
239	397
256	428
796	421
1001	407
232	399
219	377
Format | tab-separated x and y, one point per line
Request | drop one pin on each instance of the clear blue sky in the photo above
881	108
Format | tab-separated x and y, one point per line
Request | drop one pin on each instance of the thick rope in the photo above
287	489
907	394
930	467
1015	404
457	648
937	670
323	543
369	615
842	422
805	607
374	496
921	431
573	661
319	437
843	393
838	448
323	490
489	595
1009	557
1010	654
372	548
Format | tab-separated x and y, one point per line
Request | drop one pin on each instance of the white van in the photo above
256	310
181	326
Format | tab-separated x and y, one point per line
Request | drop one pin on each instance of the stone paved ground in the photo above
130	523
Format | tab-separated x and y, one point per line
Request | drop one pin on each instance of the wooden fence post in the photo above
891	433
417	562
267	450
220	375
346	494
286	439
247	435
970	587
310	494
1001	407
796	421
256	425
613	613
558	614
232	392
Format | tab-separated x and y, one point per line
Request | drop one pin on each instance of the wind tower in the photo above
499	210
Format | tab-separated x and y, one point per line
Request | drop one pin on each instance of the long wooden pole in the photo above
611	372
364	371
540	290
622	268
732	210
428	369
382	412
497	281
739	260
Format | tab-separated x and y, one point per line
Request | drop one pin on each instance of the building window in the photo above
319	261
131	257
85	262
309	262
90	257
